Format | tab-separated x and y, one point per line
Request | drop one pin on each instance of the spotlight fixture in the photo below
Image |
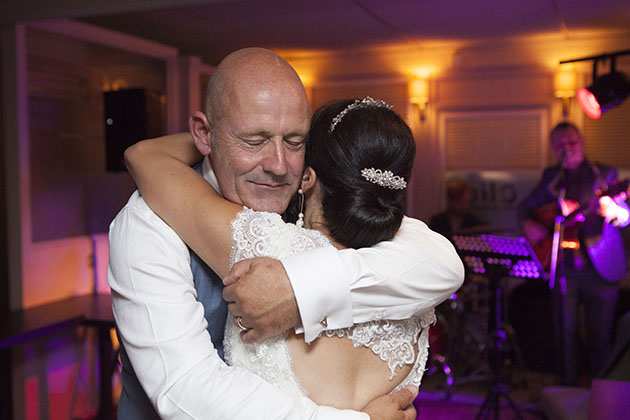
605	92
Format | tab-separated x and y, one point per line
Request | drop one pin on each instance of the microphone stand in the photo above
557	267
558	234
491	406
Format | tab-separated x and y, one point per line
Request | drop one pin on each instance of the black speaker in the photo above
131	115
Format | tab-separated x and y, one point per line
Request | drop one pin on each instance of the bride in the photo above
359	154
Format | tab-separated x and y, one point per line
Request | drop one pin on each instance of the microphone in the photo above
566	153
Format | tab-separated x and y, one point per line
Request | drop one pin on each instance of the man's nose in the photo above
276	159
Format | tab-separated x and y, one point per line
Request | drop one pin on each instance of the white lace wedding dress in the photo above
256	234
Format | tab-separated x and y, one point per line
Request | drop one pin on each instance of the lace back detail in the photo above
392	340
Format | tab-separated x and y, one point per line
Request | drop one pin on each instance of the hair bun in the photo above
362	217
357	211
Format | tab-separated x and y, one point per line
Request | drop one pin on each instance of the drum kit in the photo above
471	341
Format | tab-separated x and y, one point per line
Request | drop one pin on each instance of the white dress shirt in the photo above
164	330
394	279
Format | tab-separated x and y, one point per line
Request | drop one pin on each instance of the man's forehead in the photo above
268	124
563	136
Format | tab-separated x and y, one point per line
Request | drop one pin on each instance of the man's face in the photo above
258	148
568	145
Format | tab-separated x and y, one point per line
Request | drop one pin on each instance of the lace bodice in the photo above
256	234
261	234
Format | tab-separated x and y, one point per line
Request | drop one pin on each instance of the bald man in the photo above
167	302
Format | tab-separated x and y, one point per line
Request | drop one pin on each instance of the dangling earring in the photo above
300	220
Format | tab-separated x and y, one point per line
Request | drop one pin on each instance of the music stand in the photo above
497	257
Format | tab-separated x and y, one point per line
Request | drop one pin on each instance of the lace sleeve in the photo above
262	234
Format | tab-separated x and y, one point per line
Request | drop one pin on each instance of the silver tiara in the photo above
366	102
384	178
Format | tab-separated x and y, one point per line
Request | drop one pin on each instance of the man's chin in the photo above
268	204
266	199
268	207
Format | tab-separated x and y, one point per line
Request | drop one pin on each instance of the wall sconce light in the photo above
605	92
564	87
419	95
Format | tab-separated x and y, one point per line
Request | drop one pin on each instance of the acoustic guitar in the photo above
602	241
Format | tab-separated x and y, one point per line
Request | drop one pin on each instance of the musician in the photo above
588	268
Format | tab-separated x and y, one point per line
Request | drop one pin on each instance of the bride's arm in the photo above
183	199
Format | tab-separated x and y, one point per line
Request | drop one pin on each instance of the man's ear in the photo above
309	178
200	131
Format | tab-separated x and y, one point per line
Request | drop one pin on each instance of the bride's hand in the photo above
396	406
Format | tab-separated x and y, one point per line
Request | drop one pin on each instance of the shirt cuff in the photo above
322	290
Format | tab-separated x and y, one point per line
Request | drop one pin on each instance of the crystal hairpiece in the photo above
384	178
366	102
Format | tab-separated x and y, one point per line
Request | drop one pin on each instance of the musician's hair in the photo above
565	125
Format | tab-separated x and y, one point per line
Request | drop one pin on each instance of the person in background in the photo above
591	259
457	218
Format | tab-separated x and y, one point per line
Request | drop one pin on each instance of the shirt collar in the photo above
209	175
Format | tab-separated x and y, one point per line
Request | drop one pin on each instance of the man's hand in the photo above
259	292
612	212
396	406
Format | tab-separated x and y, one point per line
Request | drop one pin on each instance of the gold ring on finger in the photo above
240	324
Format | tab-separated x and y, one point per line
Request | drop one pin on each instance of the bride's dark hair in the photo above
359	213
